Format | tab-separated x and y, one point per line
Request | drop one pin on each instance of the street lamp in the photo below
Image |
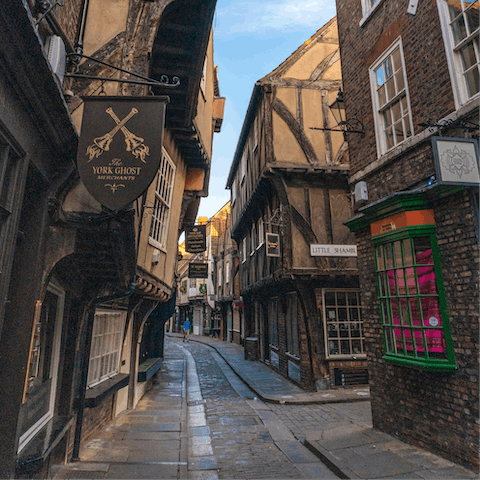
345	126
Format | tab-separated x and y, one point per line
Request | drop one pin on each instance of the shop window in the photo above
106	346
291	322
412	301
343	322
163	201
273	321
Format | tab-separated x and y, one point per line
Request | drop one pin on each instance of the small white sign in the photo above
333	250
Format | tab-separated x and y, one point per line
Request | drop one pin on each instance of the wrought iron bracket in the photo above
164	81
466	126
351	126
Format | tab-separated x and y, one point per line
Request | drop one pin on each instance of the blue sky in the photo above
251	38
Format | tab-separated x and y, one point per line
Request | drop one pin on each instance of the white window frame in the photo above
335	322
261	233
107	339
244	249
454	61
378	110
55	289
243	167
368	7
159	227
203	81
253	239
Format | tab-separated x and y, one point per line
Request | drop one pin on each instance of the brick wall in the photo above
95	418
422	407
426	66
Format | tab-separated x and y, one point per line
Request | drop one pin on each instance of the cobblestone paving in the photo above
241	442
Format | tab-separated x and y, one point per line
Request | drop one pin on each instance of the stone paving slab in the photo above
315	470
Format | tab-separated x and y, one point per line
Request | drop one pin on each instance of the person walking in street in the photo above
186	330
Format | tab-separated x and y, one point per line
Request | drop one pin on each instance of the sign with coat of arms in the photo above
120	146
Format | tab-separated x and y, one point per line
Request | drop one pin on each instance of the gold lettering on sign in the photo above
388	227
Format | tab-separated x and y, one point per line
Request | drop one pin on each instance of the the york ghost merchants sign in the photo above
120	146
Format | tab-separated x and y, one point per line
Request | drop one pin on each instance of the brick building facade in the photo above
411	78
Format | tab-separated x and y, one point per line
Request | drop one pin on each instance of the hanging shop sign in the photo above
198	270
333	250
120	146
273	244
195	239
456	160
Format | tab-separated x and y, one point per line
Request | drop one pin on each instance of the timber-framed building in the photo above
289	192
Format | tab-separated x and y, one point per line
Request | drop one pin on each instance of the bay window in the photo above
411	299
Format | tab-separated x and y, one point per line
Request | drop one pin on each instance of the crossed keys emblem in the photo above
134	144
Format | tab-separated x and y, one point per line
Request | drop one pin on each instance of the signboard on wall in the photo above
195	239
273	244
456	160
198	270
333	250
120	146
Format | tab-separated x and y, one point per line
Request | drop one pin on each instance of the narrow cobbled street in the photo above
200	421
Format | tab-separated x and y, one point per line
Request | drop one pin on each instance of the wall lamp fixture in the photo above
345	126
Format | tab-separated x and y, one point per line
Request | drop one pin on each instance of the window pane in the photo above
472	16
333	347
345	347
388	67
355	330
423	251
341	298
396	112
380	259
380	76
387	116
390	88
330	298
342	315
356	346
389	340
472	81
426	280
431	312
401	282
459	30
382	284
397	61
454	8
332	330
389	138
407	252
400	81
399	135
468	56
411	284
381	96
352	298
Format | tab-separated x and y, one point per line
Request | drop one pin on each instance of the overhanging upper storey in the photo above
179	50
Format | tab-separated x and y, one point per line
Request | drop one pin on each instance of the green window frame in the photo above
412	299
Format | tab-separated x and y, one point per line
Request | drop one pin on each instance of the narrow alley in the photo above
201	421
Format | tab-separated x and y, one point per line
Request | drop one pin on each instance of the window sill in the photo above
149	368
36	452
156	244
367	15
97	394
438	366
292	357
